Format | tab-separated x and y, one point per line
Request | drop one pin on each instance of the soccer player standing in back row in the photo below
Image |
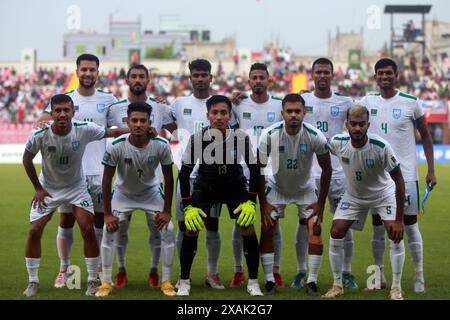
188	117
326	110
137	80
253	114
91	105
395	116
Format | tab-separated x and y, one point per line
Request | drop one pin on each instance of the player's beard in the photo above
137	92
359	136
88	86
258	90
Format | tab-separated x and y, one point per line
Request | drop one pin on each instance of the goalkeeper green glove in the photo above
248	213
192	218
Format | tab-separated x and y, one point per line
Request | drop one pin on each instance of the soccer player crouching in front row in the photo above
137	156
219	150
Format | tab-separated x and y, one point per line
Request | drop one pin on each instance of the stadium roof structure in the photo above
407	9
420	9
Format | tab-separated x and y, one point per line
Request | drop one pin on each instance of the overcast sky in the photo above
301	25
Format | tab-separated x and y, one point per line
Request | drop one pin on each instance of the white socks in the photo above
314	263
213	250
167	252
154	240
267	264
91	266
64	241
33	269
122	243
301	247
379	244
348	252
336	254
107	254
397	254
415	245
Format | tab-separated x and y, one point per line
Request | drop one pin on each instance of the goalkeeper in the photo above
218	150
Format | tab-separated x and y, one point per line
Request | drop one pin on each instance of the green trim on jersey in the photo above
101	91
276	98
69	91
118	141
341	138
418	195
419	121
79	124
375	94
118	102
377	143
42	130
152	99
161	139
276	128
312	131
341	94
404	95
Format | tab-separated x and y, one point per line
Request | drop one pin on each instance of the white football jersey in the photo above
92	109
395	120
117	114
367	168
327	115
61	155
254	117
291	156
137	167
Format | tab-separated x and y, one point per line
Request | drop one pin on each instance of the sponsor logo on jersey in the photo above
370	163
246	115
51	148
334	111
345	160
309	109
75	145
345	205
281	148
373	112
151	159
128	161
187	112
303	147
101	107
393	159
271	116
396	113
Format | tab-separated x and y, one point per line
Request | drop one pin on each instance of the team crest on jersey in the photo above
101	107
370	163
75	145
345	160
187	112
373	112
303	147
271	116
334	111
51	148
396	113
151	159
248	115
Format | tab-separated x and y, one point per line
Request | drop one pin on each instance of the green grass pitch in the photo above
16	194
